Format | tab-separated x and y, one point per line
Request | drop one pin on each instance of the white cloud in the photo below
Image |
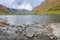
23	6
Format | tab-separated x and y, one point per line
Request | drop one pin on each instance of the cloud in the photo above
24	6
6	2
21	4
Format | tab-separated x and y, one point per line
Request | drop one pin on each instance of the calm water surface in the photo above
20	19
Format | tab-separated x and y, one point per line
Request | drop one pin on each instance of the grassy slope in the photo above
47	8
4	12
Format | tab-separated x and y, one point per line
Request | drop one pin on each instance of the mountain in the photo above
19	11
49	7
14	11
23	12
4	10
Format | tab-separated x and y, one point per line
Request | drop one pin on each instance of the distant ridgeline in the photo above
10	11
49	7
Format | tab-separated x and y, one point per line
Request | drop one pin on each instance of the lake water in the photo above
20	19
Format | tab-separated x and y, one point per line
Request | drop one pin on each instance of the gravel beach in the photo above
32	31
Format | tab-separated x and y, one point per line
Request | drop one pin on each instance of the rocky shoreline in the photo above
35	31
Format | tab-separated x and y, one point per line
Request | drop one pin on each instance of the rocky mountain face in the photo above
50	7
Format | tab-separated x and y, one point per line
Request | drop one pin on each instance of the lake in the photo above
20	19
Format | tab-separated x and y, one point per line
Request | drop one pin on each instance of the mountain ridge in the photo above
4	10
47	8
10	11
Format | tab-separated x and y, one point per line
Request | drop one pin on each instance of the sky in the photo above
21	4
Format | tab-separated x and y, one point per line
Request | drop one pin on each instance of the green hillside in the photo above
48	8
